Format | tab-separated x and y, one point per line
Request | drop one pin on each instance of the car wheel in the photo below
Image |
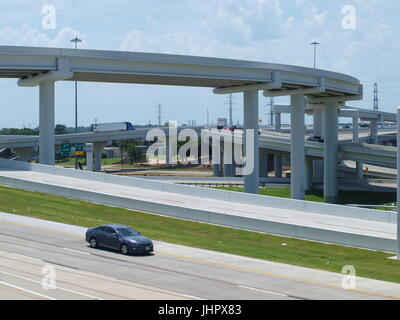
124	249
93	243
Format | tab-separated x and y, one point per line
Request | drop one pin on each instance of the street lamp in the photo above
315	44
76	40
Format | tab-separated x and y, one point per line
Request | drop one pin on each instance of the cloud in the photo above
240	22
24	35
173	43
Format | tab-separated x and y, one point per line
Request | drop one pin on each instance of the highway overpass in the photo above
277	142
42	67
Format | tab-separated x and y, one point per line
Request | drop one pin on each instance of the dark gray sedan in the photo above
119	237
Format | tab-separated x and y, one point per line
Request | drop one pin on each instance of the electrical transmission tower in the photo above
271	111
159	115
376	98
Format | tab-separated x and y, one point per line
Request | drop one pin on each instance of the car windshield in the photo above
127	232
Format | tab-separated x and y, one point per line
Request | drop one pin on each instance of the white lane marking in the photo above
57	287
264	291
78	251
192	297
27	257
26	290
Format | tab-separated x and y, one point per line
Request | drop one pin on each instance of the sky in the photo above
363	42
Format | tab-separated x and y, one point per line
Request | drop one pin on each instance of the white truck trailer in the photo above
221	123
112	126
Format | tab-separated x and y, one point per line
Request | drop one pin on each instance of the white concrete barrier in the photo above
274	202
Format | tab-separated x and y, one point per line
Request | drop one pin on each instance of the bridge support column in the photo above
89	156
278	165
250	110
46	123
374	131
318	165
359	165
237	160
263	163
309	174
297	153
97	150
228	158
216	156
278	121
330	151
359	170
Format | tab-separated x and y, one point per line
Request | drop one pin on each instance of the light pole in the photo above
315	44
76	40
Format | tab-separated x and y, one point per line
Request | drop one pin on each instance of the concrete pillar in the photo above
216	170
374	131
217	157
278	121
168	152
355	129
359	165
330	151
318	131
46	123
237	155
97	150
228	149
297	155
278	165
309	174
263	163
229	169
250	110
318	123
89	156
359	170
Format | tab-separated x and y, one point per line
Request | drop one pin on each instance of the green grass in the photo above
344	197
371	264
70	162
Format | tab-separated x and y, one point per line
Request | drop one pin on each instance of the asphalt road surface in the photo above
46	260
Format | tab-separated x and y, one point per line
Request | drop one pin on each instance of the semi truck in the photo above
221	123
112	126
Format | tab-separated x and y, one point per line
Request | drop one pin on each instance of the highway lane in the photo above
172	272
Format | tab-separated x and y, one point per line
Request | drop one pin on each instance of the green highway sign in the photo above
66	149
79	149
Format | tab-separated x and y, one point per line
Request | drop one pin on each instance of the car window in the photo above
102	229
110	230
107	230
128	232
